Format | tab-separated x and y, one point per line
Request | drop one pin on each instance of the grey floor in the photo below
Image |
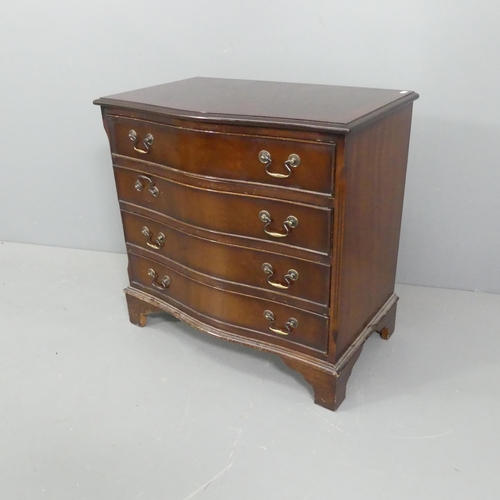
92	407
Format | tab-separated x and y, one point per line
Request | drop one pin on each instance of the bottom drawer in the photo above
279	323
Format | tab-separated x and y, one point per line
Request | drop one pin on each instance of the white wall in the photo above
56	185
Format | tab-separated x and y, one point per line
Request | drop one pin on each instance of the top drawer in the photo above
278	162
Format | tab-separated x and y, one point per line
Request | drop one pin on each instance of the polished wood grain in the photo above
141	303
159	115
372	180
227	155
228	239
229	212
202	186
328	380
226	185
233	267
228	309
329	386
291	105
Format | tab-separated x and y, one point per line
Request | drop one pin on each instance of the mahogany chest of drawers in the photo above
265	213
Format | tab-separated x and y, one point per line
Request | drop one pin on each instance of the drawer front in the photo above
276	322
288	276
301	226
289	163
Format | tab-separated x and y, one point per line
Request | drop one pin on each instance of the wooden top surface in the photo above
289	105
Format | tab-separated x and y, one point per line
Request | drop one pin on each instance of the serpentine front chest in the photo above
265	213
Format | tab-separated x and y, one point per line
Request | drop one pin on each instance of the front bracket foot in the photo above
138	310
329	386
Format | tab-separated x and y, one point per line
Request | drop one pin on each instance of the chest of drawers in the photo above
265	213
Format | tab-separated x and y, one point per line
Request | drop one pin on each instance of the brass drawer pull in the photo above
292	162
289	325
291	276
163	284
158	243
148	142
140	184
289	223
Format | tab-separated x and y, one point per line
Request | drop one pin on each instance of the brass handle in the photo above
158	243
292	162
289	223
289	325
148	142
163	284
291	276
140	184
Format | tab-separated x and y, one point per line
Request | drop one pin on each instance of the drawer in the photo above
286	276
289	163
255	217
276	323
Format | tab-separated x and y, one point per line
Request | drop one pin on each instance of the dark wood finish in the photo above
211	187
228	212
372	183
144	303
229	156
329	386
233	267
229	239
158	115
226	185
291	105
138	310
227	309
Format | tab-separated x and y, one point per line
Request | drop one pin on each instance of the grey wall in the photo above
57	56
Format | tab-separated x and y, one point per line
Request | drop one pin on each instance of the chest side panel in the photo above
371	186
